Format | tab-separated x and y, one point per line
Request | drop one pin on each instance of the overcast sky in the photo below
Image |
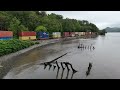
102	19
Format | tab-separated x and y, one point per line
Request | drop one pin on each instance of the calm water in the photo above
105	58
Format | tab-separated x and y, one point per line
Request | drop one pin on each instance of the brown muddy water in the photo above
105	59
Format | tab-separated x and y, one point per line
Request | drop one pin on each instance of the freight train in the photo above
6	35
31	35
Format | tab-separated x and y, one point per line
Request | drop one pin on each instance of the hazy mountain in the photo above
114	29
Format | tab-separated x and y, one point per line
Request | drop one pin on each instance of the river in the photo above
105	59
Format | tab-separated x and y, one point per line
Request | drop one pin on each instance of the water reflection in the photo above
50	66
45	65
57	73
63	66
67	74
54	67
89	69
62	73
72	75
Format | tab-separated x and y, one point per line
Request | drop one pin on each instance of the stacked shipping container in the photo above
81	33
93	33
56	35
42	35
87	33
27	35
90	33
66	34
76	33
72	34
6	35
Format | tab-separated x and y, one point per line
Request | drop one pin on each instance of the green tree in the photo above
55	16
76	25
4	20
16	27
51	23
42	13
30	20
68	25
41	28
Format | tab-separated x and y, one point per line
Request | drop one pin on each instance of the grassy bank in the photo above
11	46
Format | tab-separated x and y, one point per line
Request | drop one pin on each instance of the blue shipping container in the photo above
43	35
5	38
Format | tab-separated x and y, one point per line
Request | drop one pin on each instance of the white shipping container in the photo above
80	33
73	35
56	34
83	33
76	32
90	33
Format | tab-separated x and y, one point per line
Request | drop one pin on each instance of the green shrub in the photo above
37	43
11	46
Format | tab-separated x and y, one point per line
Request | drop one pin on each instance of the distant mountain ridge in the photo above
114	29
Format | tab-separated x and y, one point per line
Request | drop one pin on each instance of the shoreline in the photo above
8	61
42	43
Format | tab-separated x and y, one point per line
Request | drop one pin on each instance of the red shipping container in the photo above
66	34
6	34
27	33
87	33
93	33
72	34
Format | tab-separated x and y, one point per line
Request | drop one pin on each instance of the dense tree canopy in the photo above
41	28
16	26
17	21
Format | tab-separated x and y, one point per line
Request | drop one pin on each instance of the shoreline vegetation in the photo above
7	61
11	46
18	21
102	32
15	46
27	45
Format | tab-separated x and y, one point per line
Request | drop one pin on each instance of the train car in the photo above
27	35
6	35
42	35
87	33
93	33
66	34
56	35
72	34
76	33
81	33
6	38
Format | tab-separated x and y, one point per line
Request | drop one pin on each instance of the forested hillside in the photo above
115	29
17	21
